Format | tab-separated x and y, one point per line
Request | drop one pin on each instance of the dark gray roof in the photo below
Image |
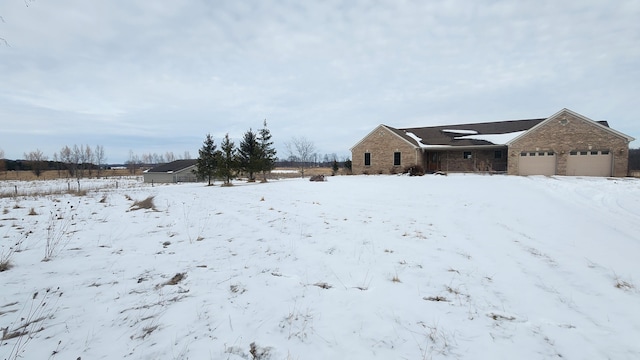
403	134
173	166
437	135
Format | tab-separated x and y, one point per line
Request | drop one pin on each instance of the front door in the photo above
433	162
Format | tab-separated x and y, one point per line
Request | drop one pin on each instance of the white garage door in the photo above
589	163
537	163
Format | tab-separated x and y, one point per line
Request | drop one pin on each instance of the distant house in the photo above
173	172
565	143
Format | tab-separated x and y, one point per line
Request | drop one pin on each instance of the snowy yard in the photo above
358	267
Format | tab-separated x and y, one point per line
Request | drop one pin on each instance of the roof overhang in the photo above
461	147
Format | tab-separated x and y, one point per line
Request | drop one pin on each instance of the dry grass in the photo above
323	285
624	285
176	279
5	264
53	174
32	212
144	204
308	172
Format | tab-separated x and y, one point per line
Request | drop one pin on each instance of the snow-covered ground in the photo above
357	267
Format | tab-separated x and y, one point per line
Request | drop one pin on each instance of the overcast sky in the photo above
157	76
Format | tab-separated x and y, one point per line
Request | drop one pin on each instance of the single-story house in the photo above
566	143
173	172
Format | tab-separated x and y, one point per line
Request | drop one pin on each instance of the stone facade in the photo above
472	160
381	144
565	132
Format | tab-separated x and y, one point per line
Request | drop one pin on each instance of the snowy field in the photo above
357	267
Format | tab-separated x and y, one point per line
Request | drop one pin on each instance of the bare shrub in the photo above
624	285
6	256
27	324
57	232
144	204
32	212
258	352
414	170
317	178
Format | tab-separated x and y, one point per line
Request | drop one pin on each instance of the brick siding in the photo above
381	144
566	132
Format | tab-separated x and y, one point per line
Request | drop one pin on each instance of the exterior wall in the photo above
482	160
566	132
381	144
169	177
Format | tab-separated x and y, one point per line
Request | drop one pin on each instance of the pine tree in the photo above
249	155
228	160
207	160
347	165
267	152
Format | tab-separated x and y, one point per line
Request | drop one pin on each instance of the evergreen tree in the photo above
267	152
334	167
249	155
207	160
347	165
228	160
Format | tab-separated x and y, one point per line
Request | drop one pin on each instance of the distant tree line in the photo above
254	155
135	161
76	161
80	161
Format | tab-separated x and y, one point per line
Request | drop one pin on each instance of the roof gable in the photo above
174	166
603	125
397	132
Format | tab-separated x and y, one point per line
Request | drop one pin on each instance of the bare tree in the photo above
301	150
186	155
76	158
169	157
56	160
99	156
37	161
66	156
88	158
133	162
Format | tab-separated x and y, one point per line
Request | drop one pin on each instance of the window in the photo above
467	155
594	153
605	152
497	154
573	153
532	154
396	158
367	159
523	154
583	153
550	153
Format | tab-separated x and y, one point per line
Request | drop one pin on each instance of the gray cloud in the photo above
330	71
